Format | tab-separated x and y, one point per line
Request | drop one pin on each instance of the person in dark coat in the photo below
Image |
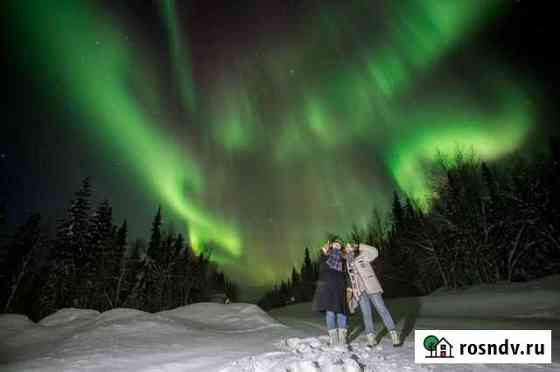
330	295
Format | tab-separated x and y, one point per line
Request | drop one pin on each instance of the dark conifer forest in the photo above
92	263
485	223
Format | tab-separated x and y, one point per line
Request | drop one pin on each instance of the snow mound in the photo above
13	323
230	317
69	316
120	314
199	337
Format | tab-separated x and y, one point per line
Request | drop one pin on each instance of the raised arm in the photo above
325	248
370	253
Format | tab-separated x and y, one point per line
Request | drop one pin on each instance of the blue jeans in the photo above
365	306
334	318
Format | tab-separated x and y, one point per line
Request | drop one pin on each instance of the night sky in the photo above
263	125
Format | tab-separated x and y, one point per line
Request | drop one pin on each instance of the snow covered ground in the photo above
241	337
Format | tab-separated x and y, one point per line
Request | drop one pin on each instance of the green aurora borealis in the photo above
290	135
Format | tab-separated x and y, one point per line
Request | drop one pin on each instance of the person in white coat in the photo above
366	290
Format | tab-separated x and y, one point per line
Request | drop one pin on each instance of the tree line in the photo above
298	288
483	223
90	263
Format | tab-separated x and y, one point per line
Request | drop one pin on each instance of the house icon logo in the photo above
438	347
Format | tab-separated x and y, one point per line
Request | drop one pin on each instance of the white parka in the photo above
362	276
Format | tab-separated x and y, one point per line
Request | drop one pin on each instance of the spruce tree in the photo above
306	270
119	275
489	181
165	269
397	212
410	211
79	224
121	243
154	251
19	263
295	285
99	265
295	277
68	252
150	272
177	272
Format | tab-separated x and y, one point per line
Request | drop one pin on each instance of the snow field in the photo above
211	337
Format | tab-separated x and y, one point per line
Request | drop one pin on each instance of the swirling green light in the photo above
180	54
292	138
90	58
444	132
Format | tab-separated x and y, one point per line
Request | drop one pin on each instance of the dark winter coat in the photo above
330	294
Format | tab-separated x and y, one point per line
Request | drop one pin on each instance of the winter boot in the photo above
342	336
333	336
371	340
395	338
